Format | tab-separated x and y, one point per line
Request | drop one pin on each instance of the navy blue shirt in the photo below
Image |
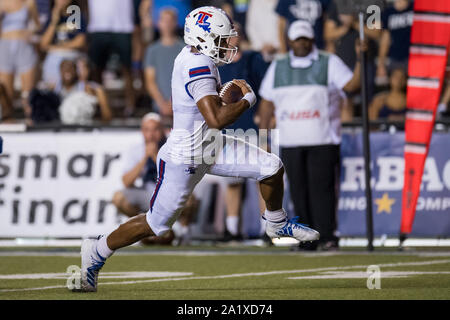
309	10
252	68
399	25
151	170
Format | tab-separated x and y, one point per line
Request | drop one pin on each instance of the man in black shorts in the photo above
110	31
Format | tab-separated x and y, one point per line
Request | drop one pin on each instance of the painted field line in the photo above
103	275
251	274
32	289
364	275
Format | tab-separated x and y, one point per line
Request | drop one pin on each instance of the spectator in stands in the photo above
62	40
314	11
44	106
158	62
146	22
263	33
140	164
140	173
391	105
17	54
342	30
79	96
393	52
140	167
44	11
303	90
137	45
152	9
237	10
250	66
110	31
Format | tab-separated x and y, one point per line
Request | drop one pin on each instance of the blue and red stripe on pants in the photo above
161	169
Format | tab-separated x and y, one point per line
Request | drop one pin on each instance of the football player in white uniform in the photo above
196	146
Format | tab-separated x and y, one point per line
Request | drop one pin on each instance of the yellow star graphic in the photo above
384	203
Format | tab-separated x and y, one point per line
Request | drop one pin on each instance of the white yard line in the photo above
103	275
32	289
252	274
364	275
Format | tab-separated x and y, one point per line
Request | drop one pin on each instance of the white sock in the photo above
275	216
179	229
102	248
232	224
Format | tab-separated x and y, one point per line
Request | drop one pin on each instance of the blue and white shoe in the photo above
91	263
293	229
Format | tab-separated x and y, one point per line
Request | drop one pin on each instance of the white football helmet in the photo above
209	30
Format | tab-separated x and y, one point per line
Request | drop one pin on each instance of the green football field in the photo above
231	273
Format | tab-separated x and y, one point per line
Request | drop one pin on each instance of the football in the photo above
230	93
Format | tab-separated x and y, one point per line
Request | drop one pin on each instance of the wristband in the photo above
251	98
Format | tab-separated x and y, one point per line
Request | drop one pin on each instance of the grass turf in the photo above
206	266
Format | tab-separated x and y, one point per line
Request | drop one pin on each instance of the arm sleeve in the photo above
201	88
266	89
338	72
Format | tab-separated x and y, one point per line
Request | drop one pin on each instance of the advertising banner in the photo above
61	184
387	165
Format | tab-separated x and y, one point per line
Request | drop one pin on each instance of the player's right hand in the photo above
245	87
247	91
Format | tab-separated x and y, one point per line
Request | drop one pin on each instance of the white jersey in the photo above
194	76
193	150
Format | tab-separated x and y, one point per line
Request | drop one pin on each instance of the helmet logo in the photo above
202	21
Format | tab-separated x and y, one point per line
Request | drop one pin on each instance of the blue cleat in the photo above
91	263
293	229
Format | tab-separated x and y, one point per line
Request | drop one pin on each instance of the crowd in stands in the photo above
75	61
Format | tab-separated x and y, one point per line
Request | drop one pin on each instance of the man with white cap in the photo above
303	90
140	166
139	179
